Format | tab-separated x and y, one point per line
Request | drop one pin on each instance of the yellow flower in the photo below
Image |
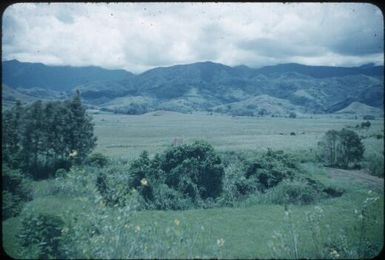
177	222
143	182
220	242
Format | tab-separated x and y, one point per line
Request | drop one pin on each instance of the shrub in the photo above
375	164
292	115
365	124
271	168
186	174
114	188
368	117
42	232
293	192
16	191
97	159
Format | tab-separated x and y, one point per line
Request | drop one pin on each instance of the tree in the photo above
341	148
292	115
40	138
81	138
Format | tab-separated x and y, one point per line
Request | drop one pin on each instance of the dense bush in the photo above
341	148
293	192
97	159
40	235
182	177
16	191
270	168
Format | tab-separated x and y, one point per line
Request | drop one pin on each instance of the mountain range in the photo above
204	86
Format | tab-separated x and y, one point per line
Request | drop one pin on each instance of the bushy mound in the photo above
270	168
182	177
272	177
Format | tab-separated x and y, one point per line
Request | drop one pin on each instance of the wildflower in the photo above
143	182
127	226
65	230
360	216
73	153
220	242
177	222
137	228
334	253
355	211
370	191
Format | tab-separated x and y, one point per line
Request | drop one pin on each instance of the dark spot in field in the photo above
333	192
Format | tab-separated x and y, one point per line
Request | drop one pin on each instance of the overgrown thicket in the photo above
341	148
42	137
182	177
195	176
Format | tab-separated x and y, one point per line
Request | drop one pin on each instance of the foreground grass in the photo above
244	232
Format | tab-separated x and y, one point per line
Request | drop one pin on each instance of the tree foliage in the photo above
341	148
40	138
16	191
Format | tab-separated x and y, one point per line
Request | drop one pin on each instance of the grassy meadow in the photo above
125	136
254	228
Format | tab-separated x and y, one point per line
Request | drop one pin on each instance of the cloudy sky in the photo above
140	36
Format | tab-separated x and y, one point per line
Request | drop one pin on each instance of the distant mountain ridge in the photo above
209	86
60	78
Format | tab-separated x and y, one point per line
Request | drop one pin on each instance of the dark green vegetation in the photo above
341	148
279	90
16	191
41	138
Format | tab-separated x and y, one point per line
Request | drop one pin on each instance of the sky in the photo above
141	36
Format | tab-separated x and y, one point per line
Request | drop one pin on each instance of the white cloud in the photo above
140	36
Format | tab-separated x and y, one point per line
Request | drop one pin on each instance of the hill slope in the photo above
62	78
208	86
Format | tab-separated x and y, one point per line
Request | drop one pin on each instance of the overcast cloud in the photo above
140	36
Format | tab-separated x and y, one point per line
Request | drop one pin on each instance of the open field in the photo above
127	135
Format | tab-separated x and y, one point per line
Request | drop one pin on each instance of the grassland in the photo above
126	136
247	231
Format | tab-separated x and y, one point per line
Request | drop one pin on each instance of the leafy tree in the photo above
341	148
292	115
11	134
81	138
